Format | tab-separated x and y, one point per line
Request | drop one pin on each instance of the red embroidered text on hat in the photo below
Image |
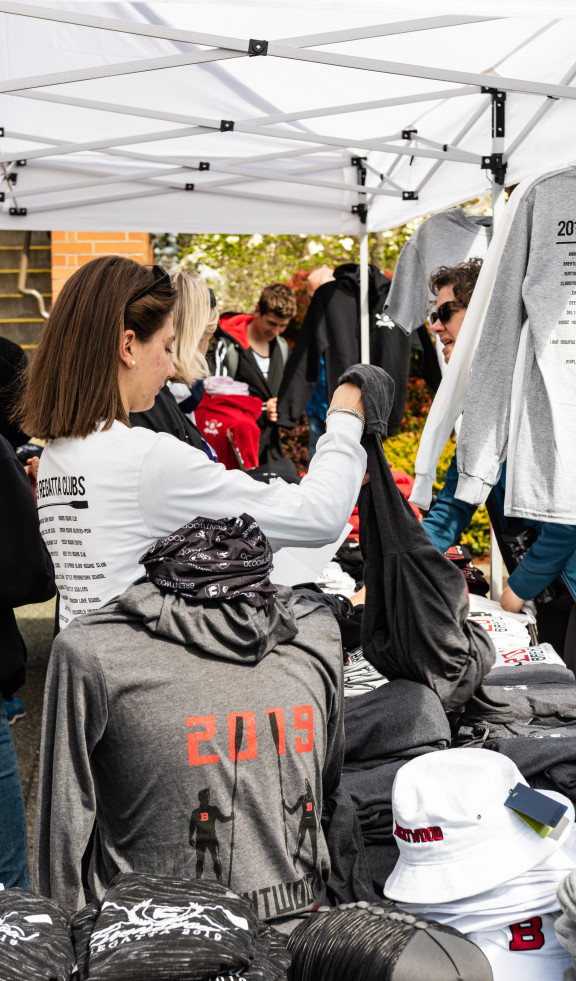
455	835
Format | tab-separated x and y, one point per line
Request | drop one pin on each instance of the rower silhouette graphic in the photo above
308	822
203	825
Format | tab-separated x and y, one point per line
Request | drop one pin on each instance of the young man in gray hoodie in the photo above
187	716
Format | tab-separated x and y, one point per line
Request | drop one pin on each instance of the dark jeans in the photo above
13	847
570	641
317	428
556	624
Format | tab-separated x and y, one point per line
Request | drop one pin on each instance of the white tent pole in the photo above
352	107
465	129
387	30
278	178
139	28
239	49
458	156
170	33
160	190
121	68
542	111
383	178
286	117
496	579
498	201
292	179
173	134
166	159
279	50
364	312
143	176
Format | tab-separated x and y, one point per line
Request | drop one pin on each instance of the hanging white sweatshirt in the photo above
454	388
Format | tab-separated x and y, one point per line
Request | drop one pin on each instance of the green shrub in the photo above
401	453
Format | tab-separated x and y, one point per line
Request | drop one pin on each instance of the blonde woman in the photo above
195	320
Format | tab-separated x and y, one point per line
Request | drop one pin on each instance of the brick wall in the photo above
70	250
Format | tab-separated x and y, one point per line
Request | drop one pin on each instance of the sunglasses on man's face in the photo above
160	276
444	312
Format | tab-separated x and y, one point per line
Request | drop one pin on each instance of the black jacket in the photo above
12	364
331	329
165	416
26	572
415	622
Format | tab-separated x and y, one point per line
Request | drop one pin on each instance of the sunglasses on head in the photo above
212	298
160	276
444	312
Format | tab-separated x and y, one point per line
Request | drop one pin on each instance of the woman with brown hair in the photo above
106	492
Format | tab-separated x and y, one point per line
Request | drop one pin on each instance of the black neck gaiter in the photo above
219	559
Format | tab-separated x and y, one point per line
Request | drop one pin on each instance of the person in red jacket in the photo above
251	349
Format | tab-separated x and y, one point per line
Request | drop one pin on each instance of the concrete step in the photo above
20	318
25	334
37	279
14	237
15	306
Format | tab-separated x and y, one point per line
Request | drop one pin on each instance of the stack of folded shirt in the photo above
166	928
360	676
383	729
35	939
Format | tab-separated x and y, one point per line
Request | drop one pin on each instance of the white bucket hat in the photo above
455	835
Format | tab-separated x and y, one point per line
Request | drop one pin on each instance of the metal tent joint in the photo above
409	134
204	165
257	47
226	125
21	163
189	187
495	163
360	163
19	212
409	195
2	197
361	210
498	110
1	131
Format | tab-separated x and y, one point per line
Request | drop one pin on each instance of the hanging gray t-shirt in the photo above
443	240
526	354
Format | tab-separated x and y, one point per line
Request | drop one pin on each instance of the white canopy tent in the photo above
243	116
147	116
135	116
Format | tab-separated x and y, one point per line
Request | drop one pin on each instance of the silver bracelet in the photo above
349	410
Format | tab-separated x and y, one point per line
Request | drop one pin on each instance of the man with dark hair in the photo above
250	349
